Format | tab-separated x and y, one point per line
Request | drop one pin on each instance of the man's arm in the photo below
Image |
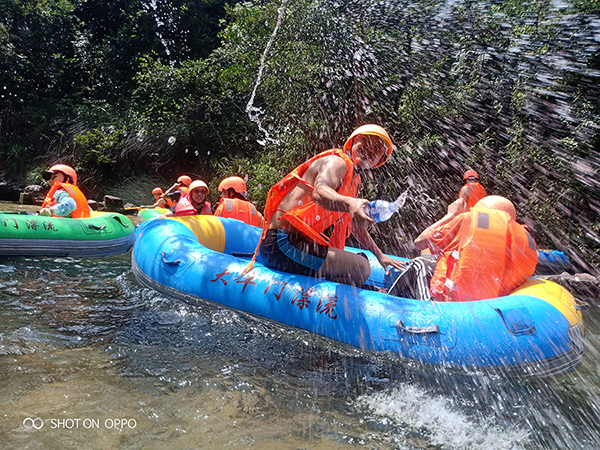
172	188
64	206
454	209
465	193
330	173
362	234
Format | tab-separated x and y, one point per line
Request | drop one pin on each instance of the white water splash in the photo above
439	422
165	22
255	113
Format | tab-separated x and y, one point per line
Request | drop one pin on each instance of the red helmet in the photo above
374	130
469	174
235	183
199	184
184	179
157	190
65	170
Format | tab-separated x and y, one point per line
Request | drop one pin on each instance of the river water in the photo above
89	359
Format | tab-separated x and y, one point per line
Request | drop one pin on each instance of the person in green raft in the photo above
64	199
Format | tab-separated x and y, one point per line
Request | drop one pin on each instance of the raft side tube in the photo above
519	333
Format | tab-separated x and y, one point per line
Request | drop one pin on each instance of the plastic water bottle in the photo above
381	210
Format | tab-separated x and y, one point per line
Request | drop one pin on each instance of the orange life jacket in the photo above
82	210
185	190
310	219
235	208
490	257
186	208
477	193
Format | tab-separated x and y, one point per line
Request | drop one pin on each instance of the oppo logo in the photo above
30	423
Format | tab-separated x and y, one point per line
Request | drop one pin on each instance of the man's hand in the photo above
357	208
386	261
45	212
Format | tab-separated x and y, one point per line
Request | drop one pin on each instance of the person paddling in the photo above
64	199
316	195
180	188
161	200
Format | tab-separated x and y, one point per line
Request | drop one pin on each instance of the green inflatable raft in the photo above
103	234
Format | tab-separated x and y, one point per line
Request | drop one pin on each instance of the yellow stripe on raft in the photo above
208	230
554	294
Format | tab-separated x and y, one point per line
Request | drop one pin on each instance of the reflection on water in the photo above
106	364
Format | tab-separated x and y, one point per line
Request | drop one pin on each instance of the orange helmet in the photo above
373	130
235	183
199	184
499	203
184	179
157	190
469	174
65	170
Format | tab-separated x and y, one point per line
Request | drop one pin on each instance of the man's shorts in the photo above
292	252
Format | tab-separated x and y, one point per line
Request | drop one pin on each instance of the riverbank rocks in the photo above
113	204
33	194
94	205
582	285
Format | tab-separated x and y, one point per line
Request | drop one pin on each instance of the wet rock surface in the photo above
34	194
582	285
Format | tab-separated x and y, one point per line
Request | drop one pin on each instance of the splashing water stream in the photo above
254	113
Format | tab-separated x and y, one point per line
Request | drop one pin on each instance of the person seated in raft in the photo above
182	185
482	253
472	191
161	200
233	203
192	204
64	199
317	194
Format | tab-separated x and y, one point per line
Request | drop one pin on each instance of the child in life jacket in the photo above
161	200
316	195
192	204
233	203
482	253
64	199
472	191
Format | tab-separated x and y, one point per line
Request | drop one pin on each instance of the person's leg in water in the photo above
415	281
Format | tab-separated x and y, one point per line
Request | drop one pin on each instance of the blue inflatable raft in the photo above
537	330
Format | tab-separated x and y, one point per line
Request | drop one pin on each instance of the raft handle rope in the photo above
417	330
96	227
166	261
